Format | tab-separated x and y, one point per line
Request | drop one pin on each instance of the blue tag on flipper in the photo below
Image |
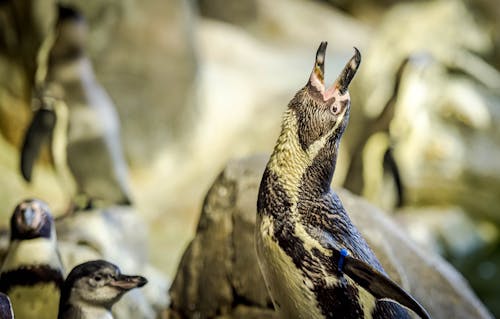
343	254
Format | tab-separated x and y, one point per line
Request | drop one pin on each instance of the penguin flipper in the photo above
5	307
40	129
380	286
392	166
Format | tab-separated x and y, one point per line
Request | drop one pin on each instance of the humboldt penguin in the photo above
32	272
92	288
5	307
79	118
314	261
367	170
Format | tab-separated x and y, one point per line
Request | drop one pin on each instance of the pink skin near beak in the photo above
125	282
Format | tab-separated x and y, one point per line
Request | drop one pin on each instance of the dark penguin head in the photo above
5	307
71	36
31	219
96	283
322	113
312	127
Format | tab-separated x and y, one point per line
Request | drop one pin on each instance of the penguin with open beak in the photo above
77	116
314	261
32	272
92	288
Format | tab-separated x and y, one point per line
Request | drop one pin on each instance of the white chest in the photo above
95	313
288	288
292	291
39	301
32	252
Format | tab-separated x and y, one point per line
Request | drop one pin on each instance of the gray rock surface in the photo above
219	276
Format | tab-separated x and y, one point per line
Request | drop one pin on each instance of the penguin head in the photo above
98	283
71	38
322	113
31	219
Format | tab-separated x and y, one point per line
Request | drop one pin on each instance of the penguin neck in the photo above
89	311
318	176
289	161
36	251
298	169
67	72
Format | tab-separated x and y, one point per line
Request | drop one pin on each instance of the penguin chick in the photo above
5	307
32	272
92	288
314	261
80	119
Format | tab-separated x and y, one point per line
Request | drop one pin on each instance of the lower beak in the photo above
125	282
348	72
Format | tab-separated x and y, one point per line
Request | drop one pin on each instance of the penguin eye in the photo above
97	278
333	109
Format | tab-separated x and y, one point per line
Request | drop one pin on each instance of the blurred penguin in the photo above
76	114
92	288
32	272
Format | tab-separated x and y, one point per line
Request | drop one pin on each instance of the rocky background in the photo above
199	82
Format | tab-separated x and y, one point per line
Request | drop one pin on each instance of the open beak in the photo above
342	83
125	282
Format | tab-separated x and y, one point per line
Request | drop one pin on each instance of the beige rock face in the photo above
218	274
143	53
442	126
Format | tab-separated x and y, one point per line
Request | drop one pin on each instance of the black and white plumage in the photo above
32	272
92	288
79	118
302	226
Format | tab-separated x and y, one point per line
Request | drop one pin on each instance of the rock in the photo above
130	39
448	231
441	126
218	272
238	12
138	42
223	251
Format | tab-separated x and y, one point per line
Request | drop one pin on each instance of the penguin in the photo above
32	272
314	261
79	118
5	307
92	288
387	168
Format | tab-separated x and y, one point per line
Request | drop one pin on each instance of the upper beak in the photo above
345	78
319	66
126	282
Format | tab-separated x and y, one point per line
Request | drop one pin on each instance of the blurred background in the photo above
196	83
